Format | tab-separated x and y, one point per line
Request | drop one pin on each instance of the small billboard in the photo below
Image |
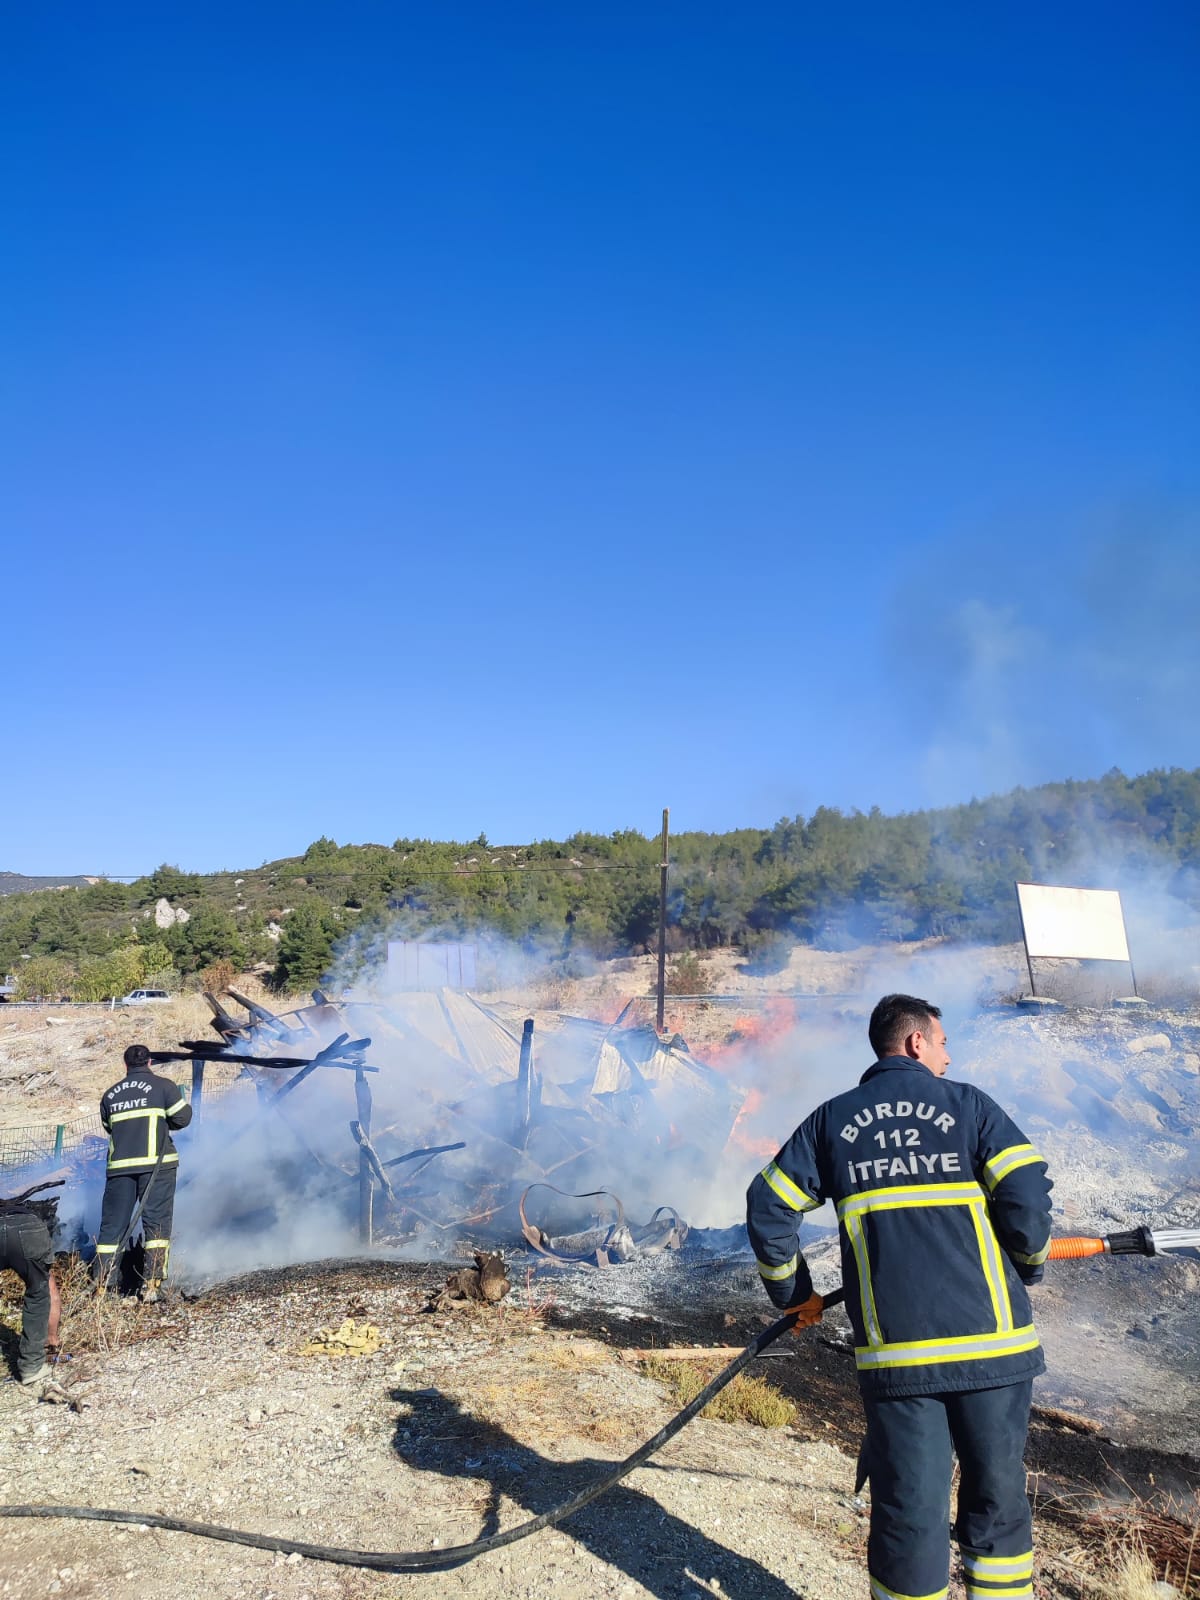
412	964
1072	925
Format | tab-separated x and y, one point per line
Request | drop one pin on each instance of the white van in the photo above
144	997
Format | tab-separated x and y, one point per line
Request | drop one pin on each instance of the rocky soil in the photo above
57	1060
460	1424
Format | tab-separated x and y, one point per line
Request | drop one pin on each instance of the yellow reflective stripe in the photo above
106	1249
910	1194
1022	1590
790	1193
963	1347
994	1568
999	1167
880	1591
962	1338
987	1271
178	1106
778	1274
866	1294
989	1255
1037	1259
143	1161
157	1244
153	1115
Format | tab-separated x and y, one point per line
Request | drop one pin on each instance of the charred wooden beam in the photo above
362	1101
430	1151
260	1013
366	1148
527	1096
226	1025
343	1052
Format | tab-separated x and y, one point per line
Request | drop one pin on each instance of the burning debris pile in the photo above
460	1128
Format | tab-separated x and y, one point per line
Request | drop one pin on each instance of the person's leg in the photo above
908	1458
994	1524
120	1194
53	1334
31	1255
157	1217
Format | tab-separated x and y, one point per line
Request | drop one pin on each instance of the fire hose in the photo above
453	1555
136	1214
1137	1242
1140	1241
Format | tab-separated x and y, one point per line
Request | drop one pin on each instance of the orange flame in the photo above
748	1037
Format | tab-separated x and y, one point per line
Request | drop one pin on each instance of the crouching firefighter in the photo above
138	1114
944	1217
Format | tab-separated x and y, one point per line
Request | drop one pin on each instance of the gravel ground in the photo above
458	1425
462	1423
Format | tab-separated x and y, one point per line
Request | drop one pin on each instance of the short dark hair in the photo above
894	1018
136	1056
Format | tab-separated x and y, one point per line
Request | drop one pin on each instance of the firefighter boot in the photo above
103	1263
155	1270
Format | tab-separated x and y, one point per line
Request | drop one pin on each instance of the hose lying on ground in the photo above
456	1555
453	1555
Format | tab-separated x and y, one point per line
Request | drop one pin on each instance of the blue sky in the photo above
420	420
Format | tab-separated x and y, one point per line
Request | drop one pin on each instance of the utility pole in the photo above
662	920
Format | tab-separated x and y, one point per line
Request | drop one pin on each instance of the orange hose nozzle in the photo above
1073	1249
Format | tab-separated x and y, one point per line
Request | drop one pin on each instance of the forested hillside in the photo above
830	879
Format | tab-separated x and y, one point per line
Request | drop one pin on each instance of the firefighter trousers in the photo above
25	1247
908	1456
122	1191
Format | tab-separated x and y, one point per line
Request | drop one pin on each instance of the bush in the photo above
108	976
45	978
689	974
766	952
217	976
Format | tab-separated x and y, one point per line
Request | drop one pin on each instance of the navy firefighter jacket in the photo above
943	1215
137	1114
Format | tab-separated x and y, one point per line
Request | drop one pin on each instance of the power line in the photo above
415	872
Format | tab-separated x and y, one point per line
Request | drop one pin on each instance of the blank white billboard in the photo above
1078	924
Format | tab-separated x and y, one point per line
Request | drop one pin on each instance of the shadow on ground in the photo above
624	1527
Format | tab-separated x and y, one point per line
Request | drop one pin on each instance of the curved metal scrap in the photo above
612	1243
666	1230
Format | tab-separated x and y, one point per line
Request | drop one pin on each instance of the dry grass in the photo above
746	1399
570	1355
89	1324
568	1395
1147	1544
531	1405
1127	1550
554	992
605	1428
1131	1578
93	1323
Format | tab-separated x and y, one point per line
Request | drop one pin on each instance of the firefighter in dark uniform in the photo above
944	1217
138	1114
